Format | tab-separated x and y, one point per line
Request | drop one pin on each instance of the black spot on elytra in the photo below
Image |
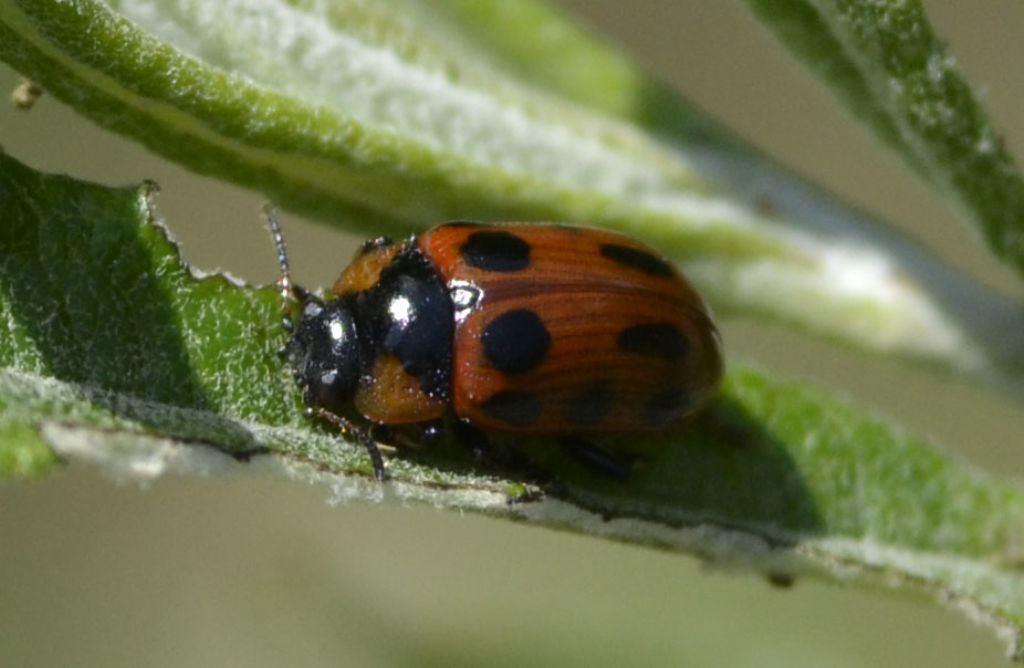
518	409
515	341
659	339
666	406
496	251
635	258
591	405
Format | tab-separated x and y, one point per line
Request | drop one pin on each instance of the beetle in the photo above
513	328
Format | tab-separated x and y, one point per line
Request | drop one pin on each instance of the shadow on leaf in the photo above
85	280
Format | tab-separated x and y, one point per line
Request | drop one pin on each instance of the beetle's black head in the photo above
324	353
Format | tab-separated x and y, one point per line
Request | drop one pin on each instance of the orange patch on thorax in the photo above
395	397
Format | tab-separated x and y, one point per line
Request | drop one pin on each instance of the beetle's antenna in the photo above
285	282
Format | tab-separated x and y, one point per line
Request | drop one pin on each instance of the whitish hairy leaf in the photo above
396	116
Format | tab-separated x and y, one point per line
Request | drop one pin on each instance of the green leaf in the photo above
393	116
94	304
116	353
886	65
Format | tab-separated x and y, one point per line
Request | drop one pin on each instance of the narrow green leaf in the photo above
114	352
885	63
393	116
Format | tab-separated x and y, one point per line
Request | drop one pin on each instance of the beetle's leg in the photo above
348	427
593	456
472	439
382	433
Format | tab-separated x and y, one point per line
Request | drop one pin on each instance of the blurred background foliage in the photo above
264	572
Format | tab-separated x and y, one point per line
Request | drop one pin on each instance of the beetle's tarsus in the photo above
348	428
614	465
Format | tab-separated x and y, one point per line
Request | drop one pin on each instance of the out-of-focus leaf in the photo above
887	66
395	116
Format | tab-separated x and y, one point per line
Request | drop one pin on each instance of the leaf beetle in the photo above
523	329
